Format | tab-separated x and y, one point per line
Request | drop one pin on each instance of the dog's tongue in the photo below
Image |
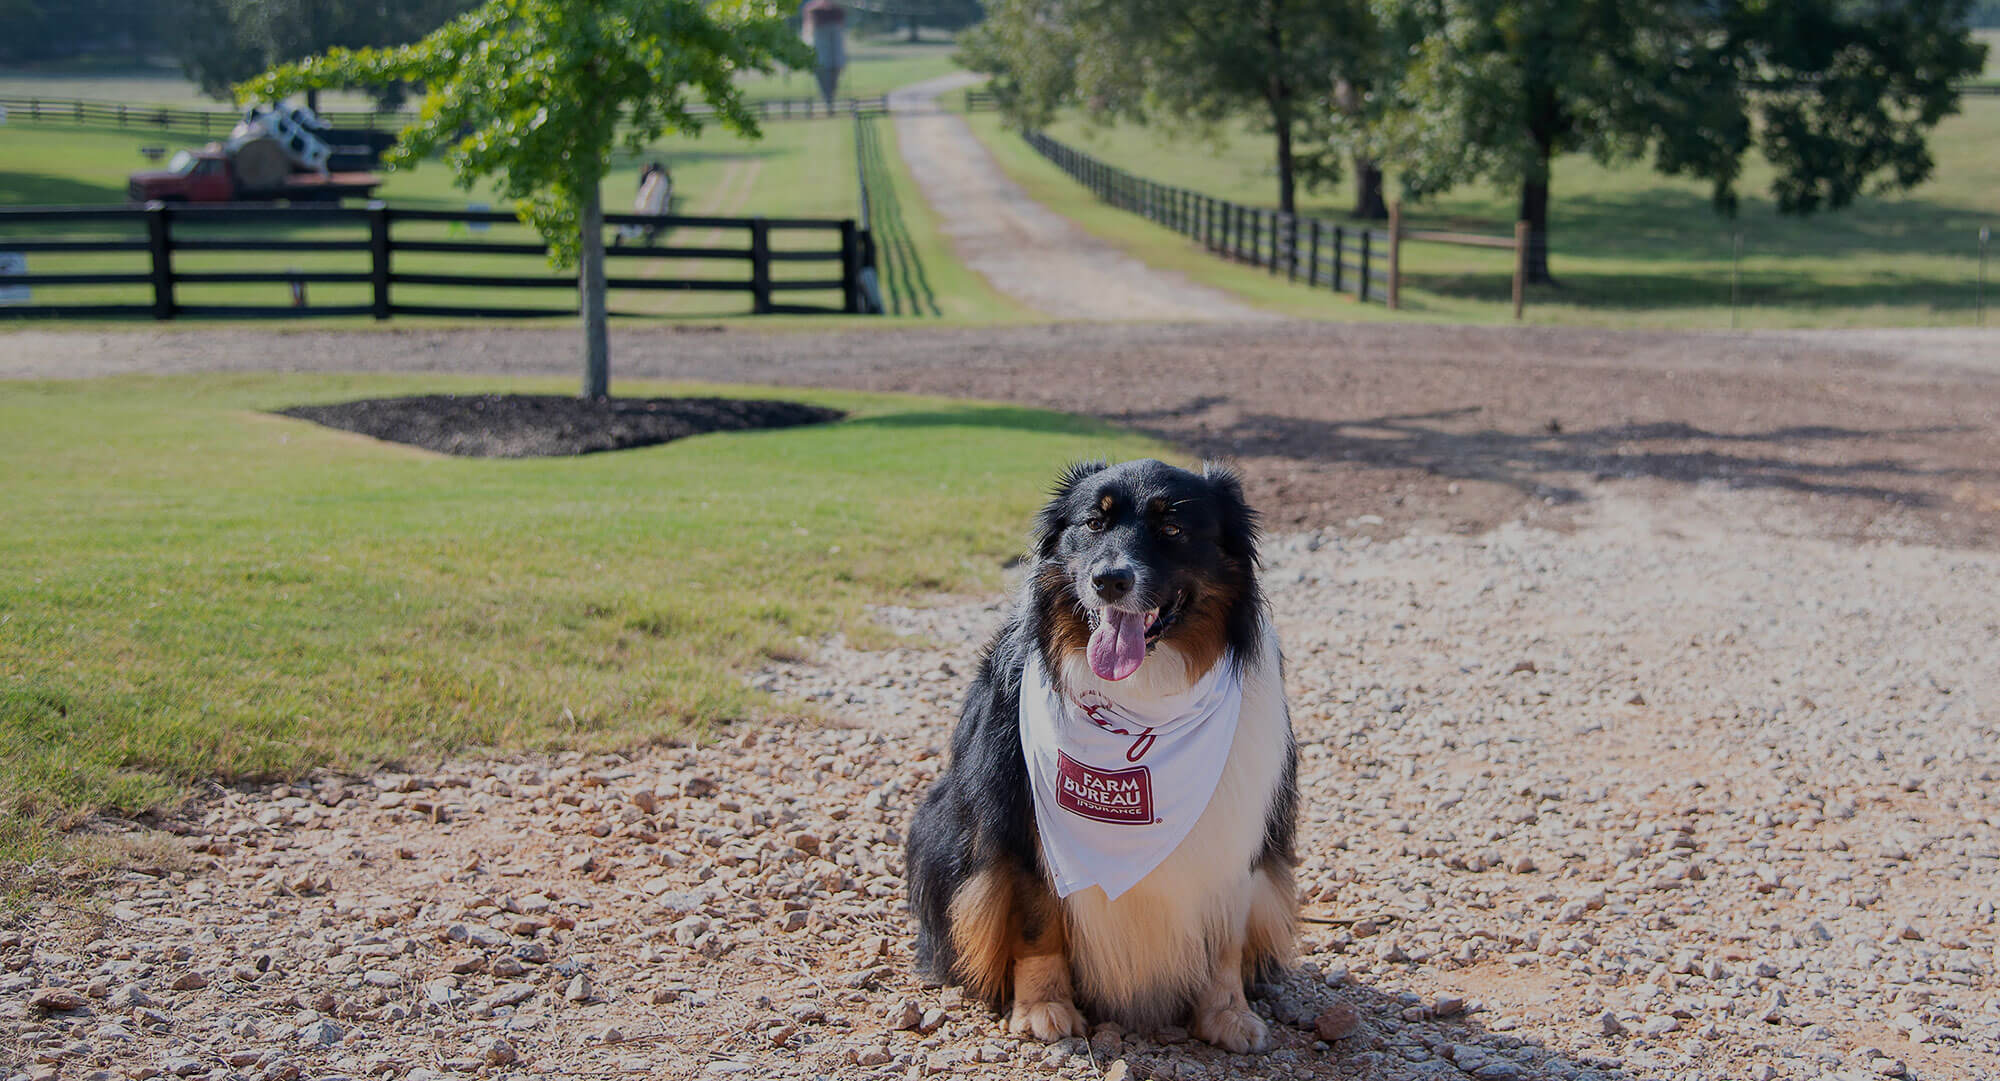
1118	645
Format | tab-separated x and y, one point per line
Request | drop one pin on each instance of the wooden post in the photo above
378	256
1291	247
1361	279
1339	258
1395	254
1520	267
1312	255
760	266
159	242
850	268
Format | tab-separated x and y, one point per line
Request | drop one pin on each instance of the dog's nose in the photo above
1113	583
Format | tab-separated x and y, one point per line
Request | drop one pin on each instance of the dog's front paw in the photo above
1046	1021
1235	1028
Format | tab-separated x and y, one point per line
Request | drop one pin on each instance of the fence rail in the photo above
1345	258
218	122
156	229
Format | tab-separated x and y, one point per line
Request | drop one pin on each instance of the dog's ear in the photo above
1054	518
1238	521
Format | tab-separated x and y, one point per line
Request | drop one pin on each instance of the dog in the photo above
1097	842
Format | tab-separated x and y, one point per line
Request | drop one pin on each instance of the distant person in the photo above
656	196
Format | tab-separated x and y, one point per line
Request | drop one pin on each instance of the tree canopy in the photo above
1190	62
1838	96
223	42
535	94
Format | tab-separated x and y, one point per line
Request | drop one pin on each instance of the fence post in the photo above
1395	254
1312	255
1339	258
760	266
850	268
159	242
378	256
1985	240
1361	280
1520	267
1275	223
1292	248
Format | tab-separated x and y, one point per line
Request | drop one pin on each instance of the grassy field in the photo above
874	66
798	169
1629	246
200	590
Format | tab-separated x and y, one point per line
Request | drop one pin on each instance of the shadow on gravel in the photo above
1386	1046
1790	458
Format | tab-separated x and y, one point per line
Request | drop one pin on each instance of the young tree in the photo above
1198	62
1835	94
535	94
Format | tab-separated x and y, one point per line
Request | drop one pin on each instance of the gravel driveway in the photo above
1656	742
1027	251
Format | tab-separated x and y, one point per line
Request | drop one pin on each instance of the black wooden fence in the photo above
1345	258
217	122
371	234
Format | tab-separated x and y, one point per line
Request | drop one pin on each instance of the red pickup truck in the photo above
210	175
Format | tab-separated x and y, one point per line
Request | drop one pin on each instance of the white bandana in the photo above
1117	786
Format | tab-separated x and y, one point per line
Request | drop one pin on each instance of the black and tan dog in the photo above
1145	582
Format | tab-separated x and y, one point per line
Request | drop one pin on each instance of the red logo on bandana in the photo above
1103	713
1121	797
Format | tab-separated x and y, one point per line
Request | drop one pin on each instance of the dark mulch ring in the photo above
551	425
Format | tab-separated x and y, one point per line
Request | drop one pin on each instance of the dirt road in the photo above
1376	427
1027	251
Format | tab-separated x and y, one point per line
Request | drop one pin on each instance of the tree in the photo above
1198	62
1837	95
222	42
535	93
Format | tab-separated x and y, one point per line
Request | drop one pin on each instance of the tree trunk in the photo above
913	29
590	284
1535	211
1368	204
1281	120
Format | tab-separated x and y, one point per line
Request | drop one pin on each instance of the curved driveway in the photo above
1026	250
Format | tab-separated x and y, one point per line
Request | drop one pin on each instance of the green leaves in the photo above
536	94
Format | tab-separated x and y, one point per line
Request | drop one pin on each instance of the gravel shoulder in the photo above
1655	742
1665	794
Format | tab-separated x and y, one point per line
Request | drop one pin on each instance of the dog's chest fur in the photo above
1140	955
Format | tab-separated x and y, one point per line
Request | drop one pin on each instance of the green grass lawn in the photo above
1630	247
199	590
874	67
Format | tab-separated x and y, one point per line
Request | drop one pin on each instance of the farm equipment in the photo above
275	154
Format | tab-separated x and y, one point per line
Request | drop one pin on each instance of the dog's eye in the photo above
1169	529
1095	523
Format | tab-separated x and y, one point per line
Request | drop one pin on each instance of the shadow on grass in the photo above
906	287
998	416
1663	222
1777	458
1709	289
20	188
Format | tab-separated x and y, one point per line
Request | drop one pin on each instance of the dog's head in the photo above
1141	554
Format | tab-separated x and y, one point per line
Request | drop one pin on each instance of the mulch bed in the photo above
551	425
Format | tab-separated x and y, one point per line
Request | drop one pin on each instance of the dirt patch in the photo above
552	425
